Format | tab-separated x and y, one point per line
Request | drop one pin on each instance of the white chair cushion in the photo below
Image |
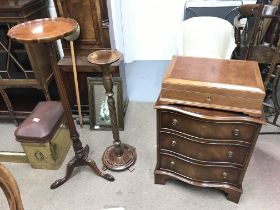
209	37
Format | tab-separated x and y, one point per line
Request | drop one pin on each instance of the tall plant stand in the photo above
47	31
119	156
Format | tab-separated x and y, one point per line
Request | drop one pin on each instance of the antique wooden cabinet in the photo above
18	69
92	16
205	147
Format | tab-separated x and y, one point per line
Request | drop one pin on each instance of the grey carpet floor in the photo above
136	190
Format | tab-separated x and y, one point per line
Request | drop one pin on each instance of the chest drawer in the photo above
207	129
197	172
203	150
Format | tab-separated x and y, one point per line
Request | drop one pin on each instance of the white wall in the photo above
150	28
116	27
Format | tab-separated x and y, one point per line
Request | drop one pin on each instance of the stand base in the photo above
84	161
119	163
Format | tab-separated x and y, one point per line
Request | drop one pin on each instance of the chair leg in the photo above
9	105
10	188
47	93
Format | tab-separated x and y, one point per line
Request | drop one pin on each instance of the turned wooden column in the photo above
119	156
47	31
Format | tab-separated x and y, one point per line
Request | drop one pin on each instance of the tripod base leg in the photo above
84	161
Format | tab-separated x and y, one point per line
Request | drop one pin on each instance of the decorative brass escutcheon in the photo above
173	143
225	174
209	99
39	155
236	132
174	122
230	154
172	164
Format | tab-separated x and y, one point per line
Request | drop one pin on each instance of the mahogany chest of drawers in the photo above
204	147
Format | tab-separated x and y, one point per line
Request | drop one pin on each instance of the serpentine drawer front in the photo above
205	150
204	147
199	172
208	129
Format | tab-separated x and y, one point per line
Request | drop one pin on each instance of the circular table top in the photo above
43	30
104	57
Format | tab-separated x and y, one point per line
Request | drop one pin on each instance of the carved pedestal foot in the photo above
83	161
233	195
160	179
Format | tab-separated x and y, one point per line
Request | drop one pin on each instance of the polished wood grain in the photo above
10	188
29	73
206	150
204	128
214	83
43	30
104	57
50	30
209	173
92	16
119	156
205	147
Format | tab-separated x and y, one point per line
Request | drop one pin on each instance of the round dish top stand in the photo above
119	156
47	31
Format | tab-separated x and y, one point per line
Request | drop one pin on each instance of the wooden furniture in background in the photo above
92	16
217	9
47	31
22	66
259	41
10	188
204	147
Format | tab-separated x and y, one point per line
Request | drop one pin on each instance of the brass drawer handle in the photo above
225	174
236	132
174	122
230	154
173	143
209	99
172	164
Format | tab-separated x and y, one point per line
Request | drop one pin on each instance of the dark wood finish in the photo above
85	70
21	69
252	33
92	16
213	83
261	43
10	189
204	147
119	156
43	30
204	129
81	153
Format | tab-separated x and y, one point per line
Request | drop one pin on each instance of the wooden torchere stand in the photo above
47	31
119	156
